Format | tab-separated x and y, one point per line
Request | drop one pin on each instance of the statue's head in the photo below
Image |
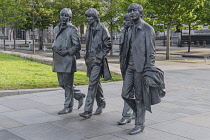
92	15
127	20
65	15
135	10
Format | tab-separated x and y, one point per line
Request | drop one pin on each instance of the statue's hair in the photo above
127	16
67	11
93	13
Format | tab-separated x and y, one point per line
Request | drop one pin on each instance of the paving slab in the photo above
19	104
5	109
31	116
46	131
50	93
50	100
198	108
162	116
7	122
6	135
199	119
148	134
89	128
24	96
107	137
179	110
183	129
2	127
52	109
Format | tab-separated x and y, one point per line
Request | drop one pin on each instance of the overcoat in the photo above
102	45
142	47
68	39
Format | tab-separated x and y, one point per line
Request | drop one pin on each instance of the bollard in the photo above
205	59
30	46
198	44
192	44
204	43
44	48
185	44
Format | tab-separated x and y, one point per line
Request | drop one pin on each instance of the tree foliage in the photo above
11	16
78	8
204	14
171	12
161	14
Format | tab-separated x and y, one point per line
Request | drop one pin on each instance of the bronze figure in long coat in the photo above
139	56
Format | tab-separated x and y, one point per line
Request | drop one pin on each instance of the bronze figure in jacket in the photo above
127	113
98	44
66	47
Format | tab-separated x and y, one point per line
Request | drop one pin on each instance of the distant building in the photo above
23	34
197	36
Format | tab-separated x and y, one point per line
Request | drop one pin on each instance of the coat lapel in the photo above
62	29
56	32
87	33
128	40
87	38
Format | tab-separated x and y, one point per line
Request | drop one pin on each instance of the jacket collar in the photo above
140	24
98	26
68	24
60	30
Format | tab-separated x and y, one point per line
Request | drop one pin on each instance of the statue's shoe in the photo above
65	111
137	129
124	120
86	114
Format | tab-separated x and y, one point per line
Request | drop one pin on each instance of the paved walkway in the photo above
183	114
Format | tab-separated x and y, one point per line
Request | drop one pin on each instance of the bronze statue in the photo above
98	44
140	73
127	111
66	47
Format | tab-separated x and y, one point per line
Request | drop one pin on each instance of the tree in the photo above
39	15
6	10
171	12
204	14
18	17
190	24
110	15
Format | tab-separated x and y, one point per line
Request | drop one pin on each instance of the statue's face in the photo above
64	17
127	23
134	13
90	20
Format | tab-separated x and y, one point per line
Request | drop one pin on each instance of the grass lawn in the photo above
19	73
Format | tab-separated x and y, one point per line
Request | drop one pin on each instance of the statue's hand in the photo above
62	52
